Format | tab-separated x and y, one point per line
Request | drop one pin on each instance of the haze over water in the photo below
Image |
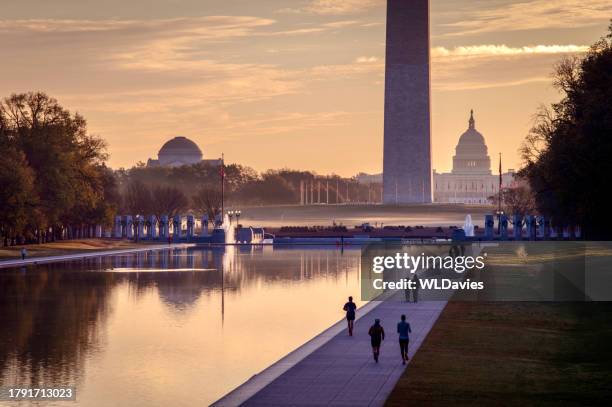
171	327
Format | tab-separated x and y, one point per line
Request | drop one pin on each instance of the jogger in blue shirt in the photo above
403	329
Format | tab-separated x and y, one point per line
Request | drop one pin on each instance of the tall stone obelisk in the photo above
407	174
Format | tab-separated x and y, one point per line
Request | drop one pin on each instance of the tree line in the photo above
172	190
567	153
54	179
55	183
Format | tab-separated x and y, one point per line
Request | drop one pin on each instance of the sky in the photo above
287	83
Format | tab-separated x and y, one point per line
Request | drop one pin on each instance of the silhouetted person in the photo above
377	335
350	308
403	329
415	290
24	253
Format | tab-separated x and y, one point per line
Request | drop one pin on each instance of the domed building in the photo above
470	180
471	153
179	151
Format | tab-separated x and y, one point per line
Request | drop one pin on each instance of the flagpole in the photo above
499	197
500	182
222	186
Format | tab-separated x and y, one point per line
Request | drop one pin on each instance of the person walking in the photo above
415	290
350	308
403	329
377	335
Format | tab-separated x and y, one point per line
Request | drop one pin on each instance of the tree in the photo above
271	189
17	195
567	153
517	199
207	200
168	201
138	199
67	162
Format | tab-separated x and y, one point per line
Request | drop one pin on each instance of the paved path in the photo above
83	255
335	369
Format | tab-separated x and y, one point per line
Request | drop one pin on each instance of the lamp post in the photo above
230	214
237	213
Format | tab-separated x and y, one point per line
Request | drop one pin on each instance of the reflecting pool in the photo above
168	327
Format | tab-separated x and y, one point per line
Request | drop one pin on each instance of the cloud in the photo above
464	67
365	60
209	27
342	23
532	15
335	7
504	50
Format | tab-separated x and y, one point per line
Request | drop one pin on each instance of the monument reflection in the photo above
206	317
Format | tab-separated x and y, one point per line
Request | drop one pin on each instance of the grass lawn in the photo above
513	354
66	247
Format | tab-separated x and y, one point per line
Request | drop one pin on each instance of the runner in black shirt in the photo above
350	308
377	335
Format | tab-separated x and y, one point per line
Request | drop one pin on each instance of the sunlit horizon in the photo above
287	84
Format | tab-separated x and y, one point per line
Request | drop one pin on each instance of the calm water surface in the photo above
166	328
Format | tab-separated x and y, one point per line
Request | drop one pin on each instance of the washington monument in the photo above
407	146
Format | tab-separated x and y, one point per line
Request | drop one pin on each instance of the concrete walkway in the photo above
341	370
83	255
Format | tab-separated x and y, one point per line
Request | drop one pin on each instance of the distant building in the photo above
180	151
471	180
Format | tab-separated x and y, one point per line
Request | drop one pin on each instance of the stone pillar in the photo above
204	231
218	220
117	231
531	226
566	232
517	230
407	174
190	225
163	227
541	223
503	230
141	224
129	227
553	232
489	225
152	230
178	226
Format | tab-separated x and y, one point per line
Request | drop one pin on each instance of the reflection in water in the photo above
146	326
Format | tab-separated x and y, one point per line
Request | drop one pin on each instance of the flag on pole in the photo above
500	172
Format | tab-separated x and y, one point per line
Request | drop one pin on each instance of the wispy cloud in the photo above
465	67
366	60
532	15
504	50
209	27
335	7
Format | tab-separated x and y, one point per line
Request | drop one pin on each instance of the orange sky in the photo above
286	83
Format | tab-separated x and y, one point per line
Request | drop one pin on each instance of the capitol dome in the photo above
179	151
471	153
